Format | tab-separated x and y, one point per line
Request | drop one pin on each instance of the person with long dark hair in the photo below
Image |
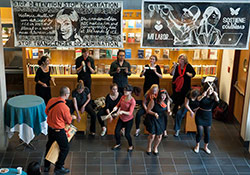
181	82
155	120
125	111
203	118
152	74
43	78
111	101
34	168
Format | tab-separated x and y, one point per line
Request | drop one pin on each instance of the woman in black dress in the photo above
82	101
43	78
110	102
181	82
156	120
203	117
152	73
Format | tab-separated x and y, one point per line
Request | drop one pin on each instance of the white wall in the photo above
226	77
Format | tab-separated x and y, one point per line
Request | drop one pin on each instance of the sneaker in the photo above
177	133
208	151
104	129
137	132
196	149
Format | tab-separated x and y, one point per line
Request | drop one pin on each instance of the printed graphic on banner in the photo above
195	24
48	23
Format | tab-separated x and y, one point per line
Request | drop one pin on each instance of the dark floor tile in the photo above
239	161
242	169
107	161
78	160
180	161
77	168
183	168
153	169
168	168
198	169
166	161
224	161
195	161
122	169
228	169
209	161
6	162
93	160
213	168
92	168
138	169
108	168
137	161
107	154
152	160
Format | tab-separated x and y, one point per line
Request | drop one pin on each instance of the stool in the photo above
82	125
190	125
111	126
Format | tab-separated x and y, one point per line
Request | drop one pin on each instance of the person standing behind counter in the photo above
120	70
152	73
85	66
43	78
58	115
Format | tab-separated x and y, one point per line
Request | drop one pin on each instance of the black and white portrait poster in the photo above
172	24
54	23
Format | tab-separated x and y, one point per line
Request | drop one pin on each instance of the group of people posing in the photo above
155	104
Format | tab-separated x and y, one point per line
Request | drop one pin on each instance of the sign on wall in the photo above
195	24
48	23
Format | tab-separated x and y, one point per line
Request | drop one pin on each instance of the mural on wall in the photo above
195	24
51	23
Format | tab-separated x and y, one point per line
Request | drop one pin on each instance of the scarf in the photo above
179	81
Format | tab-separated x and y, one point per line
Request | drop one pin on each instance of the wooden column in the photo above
3	136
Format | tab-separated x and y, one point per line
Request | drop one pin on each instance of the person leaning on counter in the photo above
120	70
85	66
58	115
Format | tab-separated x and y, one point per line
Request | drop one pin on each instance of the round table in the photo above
13	171
26	115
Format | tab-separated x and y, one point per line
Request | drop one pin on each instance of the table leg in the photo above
30	145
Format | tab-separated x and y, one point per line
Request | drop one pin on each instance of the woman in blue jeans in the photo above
191	104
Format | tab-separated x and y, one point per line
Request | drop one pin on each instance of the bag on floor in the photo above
221	111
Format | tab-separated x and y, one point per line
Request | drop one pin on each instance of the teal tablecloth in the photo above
26	114
13	171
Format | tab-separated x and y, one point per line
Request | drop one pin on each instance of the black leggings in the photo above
100	113
200	129
138	117
128	126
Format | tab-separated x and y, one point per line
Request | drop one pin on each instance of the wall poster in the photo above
53	23
222	25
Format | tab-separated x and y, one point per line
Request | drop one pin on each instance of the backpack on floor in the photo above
221	111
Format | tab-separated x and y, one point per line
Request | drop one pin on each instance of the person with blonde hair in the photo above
150	94
182	73
155	120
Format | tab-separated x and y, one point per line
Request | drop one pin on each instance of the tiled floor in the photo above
92	156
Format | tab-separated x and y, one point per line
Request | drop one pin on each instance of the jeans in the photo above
179	116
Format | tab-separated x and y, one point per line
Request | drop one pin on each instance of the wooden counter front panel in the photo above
100	86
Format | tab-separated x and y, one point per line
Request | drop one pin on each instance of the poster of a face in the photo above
195	24
52	23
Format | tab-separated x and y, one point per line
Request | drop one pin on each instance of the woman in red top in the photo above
125	108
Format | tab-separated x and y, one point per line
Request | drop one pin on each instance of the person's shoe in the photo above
155	153
130	149
92	134
208	151
61	170
116	147
137	132
177	133
148	153
104	129
46	169
196	149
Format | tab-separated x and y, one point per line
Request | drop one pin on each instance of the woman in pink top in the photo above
125	108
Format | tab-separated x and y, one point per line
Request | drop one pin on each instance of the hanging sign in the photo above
53	23
195	24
